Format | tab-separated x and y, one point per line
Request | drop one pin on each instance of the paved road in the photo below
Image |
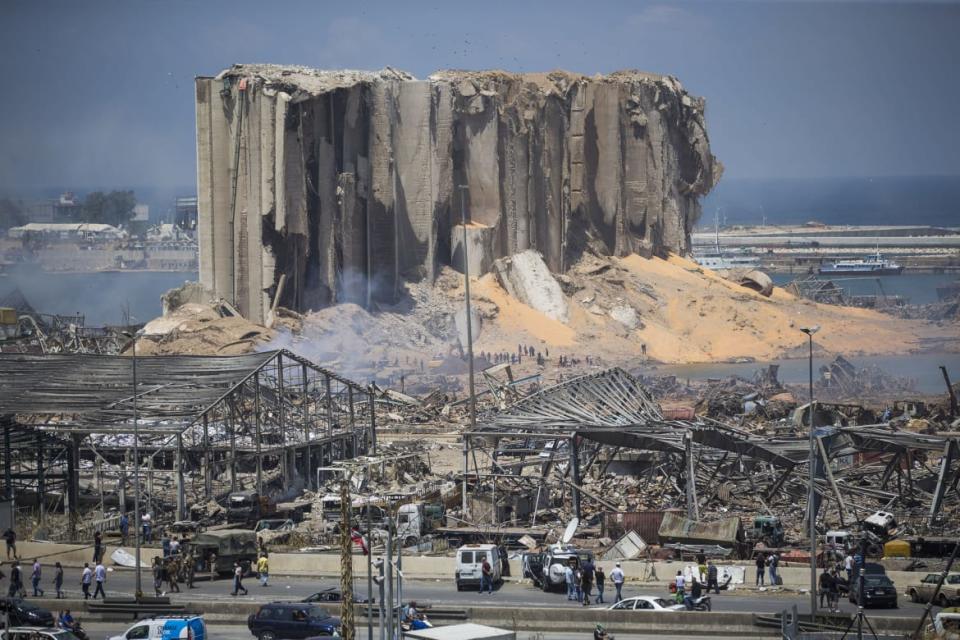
122	582
98	630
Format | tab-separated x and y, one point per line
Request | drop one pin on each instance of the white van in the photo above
166	628
470	559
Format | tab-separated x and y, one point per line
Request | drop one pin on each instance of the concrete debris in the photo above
526	278
626	315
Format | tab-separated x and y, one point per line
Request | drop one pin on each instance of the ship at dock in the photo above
871	265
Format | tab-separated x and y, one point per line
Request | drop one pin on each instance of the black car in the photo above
878	591
333	594
291	620
25	614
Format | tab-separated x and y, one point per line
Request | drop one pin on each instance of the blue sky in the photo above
100	93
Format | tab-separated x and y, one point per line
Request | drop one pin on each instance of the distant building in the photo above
68	231
186	213
141	213
67	208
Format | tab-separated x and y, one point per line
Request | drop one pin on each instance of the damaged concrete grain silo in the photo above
343	184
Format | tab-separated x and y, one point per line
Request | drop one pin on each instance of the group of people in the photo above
767	564
89	576
581	578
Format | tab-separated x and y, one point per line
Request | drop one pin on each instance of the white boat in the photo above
872	265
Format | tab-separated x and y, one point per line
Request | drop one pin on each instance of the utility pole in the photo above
347	621
466	290
137	525
811	496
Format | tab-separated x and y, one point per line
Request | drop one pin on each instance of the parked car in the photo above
878	591
333	594
37	633
949	592
291	620
25	614
164	627
470	559
646	603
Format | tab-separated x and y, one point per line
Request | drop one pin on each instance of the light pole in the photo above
136	464
811	496
466	290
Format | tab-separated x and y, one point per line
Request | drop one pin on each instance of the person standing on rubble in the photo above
617	576
599	577
568	578
586	581
761	567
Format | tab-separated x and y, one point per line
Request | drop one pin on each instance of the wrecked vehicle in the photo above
248	507
217	551
766	529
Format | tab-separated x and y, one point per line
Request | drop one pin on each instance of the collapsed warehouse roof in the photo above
613	409
214	413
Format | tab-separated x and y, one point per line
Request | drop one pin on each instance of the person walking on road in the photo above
238	579
848	567
124	528
486	576
11	537
599	578
85	579
100	574
586	581
145	520
568	578
58	579
263	570
172	569
824	584
617	576
712	581
35	579
761	565
679	583
157	576
16	581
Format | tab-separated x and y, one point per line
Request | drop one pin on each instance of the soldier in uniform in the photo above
190	562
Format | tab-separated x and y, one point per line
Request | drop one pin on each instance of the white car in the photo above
646	603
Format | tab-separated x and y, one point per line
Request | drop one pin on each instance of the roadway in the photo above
97	630
441	592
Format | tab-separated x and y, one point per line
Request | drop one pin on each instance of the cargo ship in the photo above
872	265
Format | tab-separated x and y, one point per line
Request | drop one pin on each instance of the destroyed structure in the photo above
208	427
318	187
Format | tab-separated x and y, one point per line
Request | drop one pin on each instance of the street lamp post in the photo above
811	496
136	466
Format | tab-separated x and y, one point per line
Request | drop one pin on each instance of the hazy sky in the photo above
101	93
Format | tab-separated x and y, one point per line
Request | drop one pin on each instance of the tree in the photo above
114	208
12	214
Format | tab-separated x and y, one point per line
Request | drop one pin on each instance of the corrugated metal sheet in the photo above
677	528
645	523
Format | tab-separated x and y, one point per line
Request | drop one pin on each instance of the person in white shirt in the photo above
145	523
617	577
100	574
848	567
85	579
679	582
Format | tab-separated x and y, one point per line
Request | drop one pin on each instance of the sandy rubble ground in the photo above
686	314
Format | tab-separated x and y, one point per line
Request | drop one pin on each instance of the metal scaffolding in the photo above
207	417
